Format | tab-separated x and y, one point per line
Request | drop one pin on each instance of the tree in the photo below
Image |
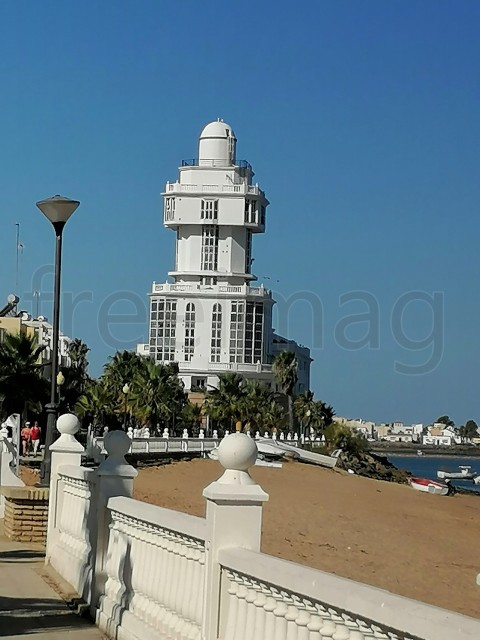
226	403
446	421
192	417
285	372
470	430
274	416
157	395
313	414
304	406
22	386
76	375
98	406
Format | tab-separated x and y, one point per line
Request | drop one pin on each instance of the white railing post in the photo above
65	450
234	518
114	478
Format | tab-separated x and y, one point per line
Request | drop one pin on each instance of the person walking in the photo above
25	436
35	437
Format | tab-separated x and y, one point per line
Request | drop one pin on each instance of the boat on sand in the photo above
429	486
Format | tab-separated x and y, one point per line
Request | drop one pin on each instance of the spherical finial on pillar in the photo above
68	423
116	444
237	453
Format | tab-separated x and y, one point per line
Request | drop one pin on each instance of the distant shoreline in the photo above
428	453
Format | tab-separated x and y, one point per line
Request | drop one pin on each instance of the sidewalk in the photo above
28	605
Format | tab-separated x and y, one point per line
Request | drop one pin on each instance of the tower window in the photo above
189	332
169	210
248	252
254	332
209	248
237	331
209	210
216	343
251	211
163	320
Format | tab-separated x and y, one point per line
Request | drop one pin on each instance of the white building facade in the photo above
209	318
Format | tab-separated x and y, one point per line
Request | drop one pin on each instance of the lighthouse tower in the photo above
209	318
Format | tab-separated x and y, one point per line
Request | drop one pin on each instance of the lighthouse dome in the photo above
217	145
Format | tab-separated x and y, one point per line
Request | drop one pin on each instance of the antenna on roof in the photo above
19	247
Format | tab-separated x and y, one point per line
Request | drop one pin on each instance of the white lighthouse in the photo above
209	318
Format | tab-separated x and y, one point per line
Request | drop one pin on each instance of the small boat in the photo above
477	480
429	486
465	473
419	452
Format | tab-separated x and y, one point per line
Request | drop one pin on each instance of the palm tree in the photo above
226	403
257	400
21	383
121	369
98	405
285	372
274	416
157	394
76	375
305	410
192	416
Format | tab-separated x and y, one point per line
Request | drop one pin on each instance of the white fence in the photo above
148	572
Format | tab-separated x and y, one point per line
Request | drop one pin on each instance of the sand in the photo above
388	535
418	545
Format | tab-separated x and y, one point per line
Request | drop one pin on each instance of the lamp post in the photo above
126	391
60	383
58	210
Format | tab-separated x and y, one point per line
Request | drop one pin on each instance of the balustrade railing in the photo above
155	570
149	572
72	555
266	598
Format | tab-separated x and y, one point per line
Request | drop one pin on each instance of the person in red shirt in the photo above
35	434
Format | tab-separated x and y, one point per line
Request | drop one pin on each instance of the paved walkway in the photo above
28	605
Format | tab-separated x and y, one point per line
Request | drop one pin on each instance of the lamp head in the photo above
58	209
60	378
126	389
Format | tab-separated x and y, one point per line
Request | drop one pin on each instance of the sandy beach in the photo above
387	535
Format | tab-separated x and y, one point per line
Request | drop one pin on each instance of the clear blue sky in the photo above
360	119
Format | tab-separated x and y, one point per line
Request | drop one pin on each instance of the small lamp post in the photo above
126	391
60	383
58	210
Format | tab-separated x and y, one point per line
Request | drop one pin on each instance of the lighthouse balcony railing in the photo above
243	189
188	287
215	162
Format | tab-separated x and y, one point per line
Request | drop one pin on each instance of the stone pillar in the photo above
234	518
65	450
114	478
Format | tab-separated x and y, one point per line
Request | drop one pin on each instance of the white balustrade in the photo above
72	554
265	598
149	572
155	571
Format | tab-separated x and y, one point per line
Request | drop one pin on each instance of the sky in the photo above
360	119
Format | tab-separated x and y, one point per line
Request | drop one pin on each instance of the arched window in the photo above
216	344
189	331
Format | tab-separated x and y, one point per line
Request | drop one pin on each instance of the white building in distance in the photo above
209	318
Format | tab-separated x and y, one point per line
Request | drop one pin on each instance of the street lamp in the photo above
60	383
58	210
126	391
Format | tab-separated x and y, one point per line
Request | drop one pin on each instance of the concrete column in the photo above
234	518
65	450
114	478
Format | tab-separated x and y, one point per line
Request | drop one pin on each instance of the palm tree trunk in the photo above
290	413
